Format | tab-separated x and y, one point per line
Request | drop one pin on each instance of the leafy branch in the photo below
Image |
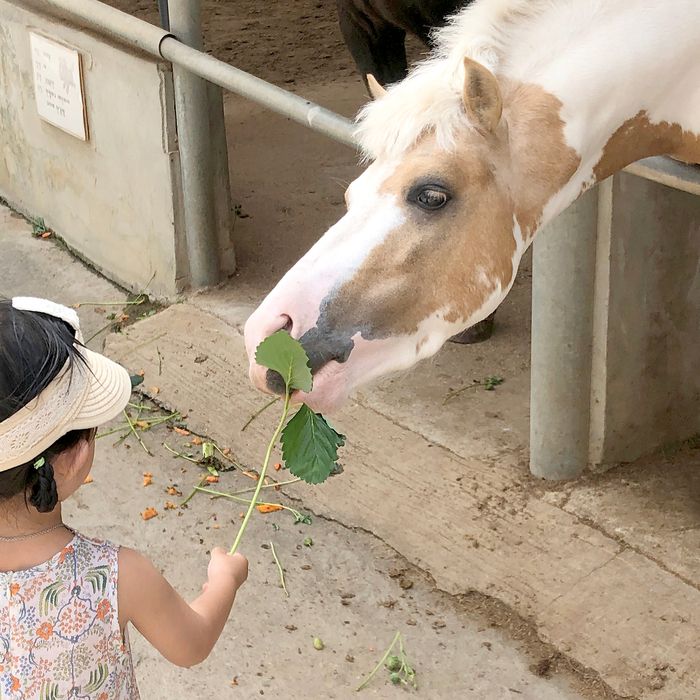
309	444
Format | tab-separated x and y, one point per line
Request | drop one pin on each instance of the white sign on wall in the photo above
58	85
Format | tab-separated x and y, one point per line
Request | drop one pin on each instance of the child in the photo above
65	599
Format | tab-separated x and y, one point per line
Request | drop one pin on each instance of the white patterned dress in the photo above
59	628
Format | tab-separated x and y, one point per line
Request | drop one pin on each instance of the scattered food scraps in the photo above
169	505
318	644
278	466
308	542
88	479
172	491
268	507
147	478
154	390
196	440
149	513
211	479
181	431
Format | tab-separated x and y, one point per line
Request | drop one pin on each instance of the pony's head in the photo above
429	245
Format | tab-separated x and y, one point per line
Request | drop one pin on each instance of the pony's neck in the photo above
594	96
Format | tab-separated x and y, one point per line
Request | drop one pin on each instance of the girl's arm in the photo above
184	634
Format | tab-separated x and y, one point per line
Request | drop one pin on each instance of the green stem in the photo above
111	432
457	392
259	411
281	570
265	486
135	432
247	501
139	300
261	478
193	492
182	456
102	330
143	408
382	661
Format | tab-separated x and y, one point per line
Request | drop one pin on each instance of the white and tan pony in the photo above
524	105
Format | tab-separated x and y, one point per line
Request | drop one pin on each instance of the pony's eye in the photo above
431	198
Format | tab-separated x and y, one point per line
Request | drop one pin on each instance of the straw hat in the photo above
79	397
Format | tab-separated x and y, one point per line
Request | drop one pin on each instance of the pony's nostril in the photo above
288	324
275	382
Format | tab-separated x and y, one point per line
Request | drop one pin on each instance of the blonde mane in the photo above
430	98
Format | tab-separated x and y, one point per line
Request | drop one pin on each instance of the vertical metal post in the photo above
164	13
193	130
562	325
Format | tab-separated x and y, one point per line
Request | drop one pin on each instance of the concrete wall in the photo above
116	199
646	353
615	327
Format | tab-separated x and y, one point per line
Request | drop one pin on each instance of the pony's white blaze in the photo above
328	264
585	86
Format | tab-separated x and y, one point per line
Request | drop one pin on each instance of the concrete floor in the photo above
605	569
462	647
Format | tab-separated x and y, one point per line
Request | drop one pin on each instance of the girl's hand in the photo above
225	568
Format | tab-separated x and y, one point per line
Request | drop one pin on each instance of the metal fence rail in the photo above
155	41
192	65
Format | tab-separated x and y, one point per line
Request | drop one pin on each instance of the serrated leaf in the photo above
310	446
281	353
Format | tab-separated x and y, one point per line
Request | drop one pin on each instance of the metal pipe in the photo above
132	31
278	100
164	14
194	145
97	16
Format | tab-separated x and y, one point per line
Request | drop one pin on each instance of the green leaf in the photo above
208	450
310	446
281	353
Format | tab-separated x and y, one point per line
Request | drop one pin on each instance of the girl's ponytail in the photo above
43	495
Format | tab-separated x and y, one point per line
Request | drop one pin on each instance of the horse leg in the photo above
376	46
477	333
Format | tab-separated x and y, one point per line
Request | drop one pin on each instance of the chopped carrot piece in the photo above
268	507
149	513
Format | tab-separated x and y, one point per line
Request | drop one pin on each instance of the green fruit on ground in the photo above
318	644
393	663
395	678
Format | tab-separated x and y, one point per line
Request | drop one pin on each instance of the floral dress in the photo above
59	628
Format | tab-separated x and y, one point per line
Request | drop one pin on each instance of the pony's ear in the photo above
482	96
375	89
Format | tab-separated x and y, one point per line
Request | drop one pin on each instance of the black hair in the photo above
34	348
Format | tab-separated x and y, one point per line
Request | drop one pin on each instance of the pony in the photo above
374	32
522	107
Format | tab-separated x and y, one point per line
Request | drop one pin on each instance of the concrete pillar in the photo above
562	316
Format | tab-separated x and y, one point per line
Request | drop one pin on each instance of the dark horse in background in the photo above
375	33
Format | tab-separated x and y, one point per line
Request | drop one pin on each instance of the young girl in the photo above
65	599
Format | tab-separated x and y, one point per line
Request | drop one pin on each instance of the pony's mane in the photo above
430	98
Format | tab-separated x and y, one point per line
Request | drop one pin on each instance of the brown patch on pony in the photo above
446	262
452	260
542	161
639	138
